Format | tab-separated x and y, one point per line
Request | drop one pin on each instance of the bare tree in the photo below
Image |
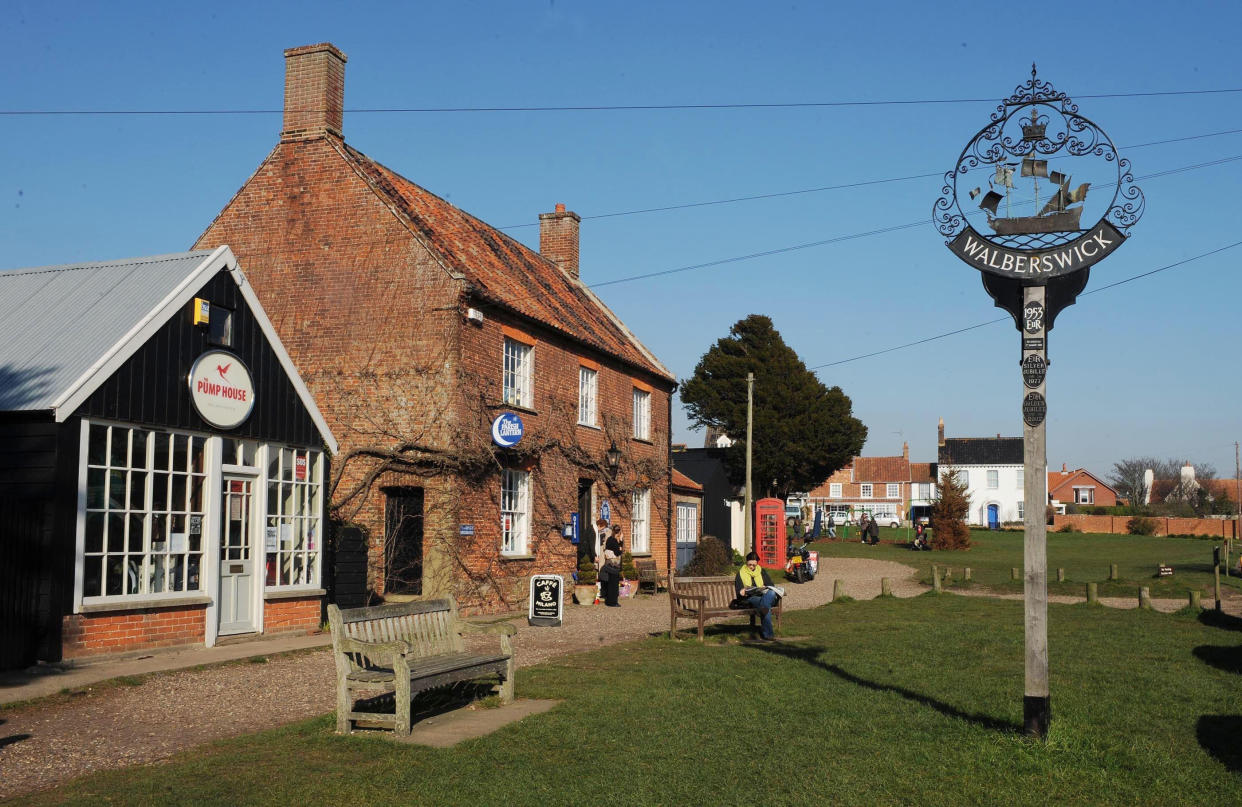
1129	480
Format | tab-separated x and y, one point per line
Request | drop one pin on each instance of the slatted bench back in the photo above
717	590
428	626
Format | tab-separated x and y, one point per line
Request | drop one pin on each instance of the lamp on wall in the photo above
613	457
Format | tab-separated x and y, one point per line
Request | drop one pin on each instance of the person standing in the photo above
863	521
610	571
873	532
832	526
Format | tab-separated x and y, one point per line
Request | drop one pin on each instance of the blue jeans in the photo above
764	603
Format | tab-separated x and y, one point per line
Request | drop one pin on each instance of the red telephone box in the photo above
770	532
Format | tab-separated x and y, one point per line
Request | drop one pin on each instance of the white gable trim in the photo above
222	258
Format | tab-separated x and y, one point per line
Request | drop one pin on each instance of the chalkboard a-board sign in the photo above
546	600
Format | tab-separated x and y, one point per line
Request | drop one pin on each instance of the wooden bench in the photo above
649	575
703	598
406	649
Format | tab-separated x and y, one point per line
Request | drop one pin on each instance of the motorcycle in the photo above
798	566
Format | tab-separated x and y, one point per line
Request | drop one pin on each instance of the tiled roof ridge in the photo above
376	174
73	267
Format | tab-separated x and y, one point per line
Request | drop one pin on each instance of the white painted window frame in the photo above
588	393
518	373
640	521
514	503
642	414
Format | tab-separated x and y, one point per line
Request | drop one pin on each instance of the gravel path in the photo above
118	725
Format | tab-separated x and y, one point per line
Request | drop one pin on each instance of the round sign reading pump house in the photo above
507	430
221	389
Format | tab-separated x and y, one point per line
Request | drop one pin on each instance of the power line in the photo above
852	236
947	334
603	107
862	183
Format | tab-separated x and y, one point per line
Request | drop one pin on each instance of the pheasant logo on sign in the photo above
226	398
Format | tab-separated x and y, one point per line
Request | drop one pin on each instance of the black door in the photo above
586	521
403	541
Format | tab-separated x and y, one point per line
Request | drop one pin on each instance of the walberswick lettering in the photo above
1037	265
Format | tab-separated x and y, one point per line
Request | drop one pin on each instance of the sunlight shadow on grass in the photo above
1216	619
1228	659
810	655
1220	736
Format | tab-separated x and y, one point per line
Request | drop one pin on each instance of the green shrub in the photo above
711	557
1139	525
586	571
1067	528
738	558
627	566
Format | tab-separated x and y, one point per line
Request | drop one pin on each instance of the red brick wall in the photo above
98	634
292	616
1221	528
373	323
558	453
367	315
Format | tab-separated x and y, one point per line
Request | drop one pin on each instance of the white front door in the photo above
237	579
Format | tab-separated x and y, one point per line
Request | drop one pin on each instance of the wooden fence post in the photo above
1060	575
1195	604
966	574
1013	573
1093	594
936	579
886	587
836	589
948	575
1145	598
1112	572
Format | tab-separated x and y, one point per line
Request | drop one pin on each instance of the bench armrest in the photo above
376	651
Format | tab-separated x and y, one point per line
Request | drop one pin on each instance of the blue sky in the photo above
1149	367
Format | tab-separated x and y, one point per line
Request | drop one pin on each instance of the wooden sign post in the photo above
1034	264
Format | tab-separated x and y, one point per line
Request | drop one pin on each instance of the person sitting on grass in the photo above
753	584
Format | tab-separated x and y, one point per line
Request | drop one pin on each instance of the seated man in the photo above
753	583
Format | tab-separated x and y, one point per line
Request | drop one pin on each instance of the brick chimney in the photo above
905	451
940	433
314	92
558	238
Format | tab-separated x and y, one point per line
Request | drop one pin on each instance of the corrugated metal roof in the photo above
56	322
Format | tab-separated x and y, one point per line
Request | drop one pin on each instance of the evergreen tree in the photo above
803	430
948	515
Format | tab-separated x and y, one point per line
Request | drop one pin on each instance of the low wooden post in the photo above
1060	575
936	579
886	587
948	575
1195	604
966	574
836	590
1112	572
1093	594
1013	573
1216	585
1145	598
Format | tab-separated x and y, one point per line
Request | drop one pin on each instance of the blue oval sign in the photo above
507	430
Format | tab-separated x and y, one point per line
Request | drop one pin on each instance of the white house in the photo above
993	472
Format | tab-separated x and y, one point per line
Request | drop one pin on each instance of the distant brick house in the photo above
1079	486
878	486
415	325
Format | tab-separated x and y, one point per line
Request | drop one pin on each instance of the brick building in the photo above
416	325
878	486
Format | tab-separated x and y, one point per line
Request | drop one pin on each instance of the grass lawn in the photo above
1084	556
914	701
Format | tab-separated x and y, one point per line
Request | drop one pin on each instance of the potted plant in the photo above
584	585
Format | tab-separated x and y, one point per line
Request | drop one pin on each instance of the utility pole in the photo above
750	428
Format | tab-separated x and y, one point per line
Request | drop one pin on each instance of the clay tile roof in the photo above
506	272
680	480
881	469
921	472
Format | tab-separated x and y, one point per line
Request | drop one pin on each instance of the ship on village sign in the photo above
1039	192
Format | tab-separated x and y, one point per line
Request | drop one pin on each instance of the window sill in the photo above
591	426
640	554
142	604
517	557
292	593
517	408
646	440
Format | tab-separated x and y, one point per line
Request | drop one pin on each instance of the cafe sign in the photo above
221	389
